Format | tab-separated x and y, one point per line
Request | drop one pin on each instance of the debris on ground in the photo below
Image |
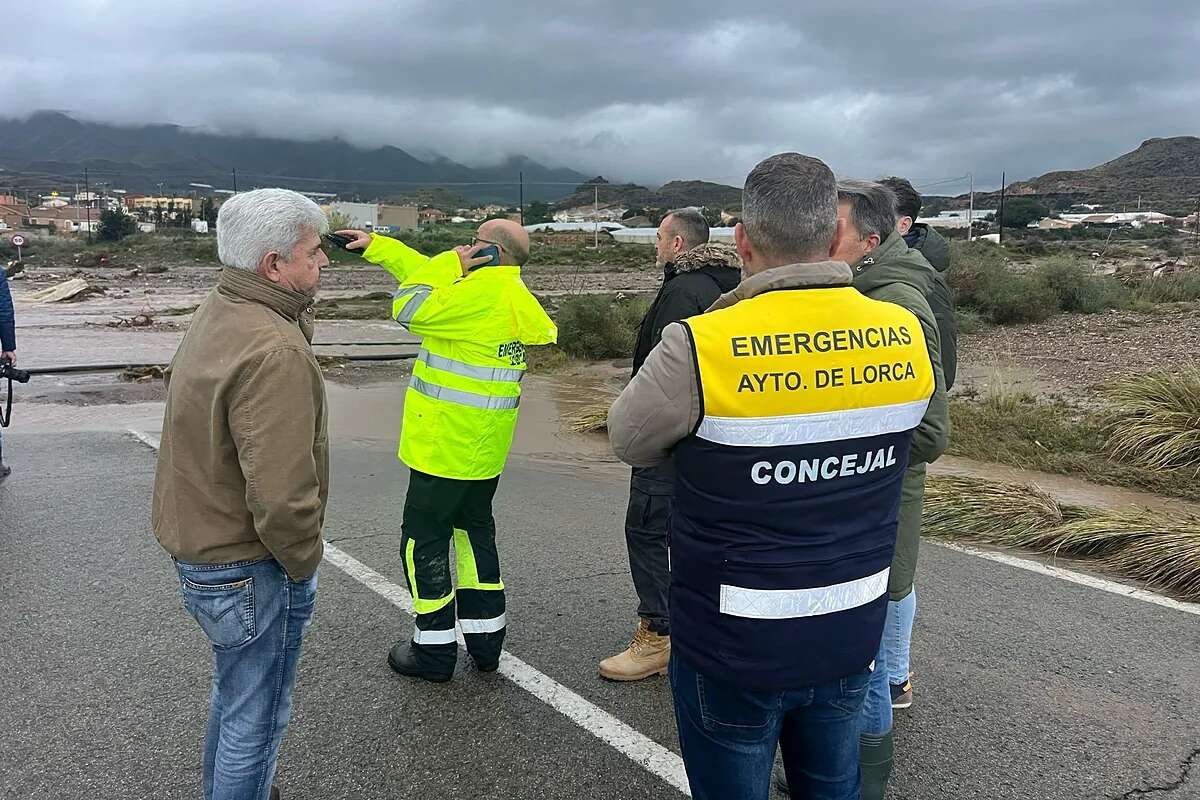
73	289
136	321
142	374
88	260
14	268
155	269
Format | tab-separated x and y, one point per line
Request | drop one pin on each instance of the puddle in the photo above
1069	491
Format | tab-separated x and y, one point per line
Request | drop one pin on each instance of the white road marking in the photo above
636	746
1083	579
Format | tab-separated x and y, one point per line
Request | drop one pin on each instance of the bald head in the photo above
512	238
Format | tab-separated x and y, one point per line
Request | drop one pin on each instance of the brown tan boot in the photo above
647	654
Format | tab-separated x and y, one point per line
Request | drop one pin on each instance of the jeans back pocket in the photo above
224	611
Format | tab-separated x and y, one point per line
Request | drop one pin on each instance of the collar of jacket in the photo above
890	249
817	275
713	254
500	271
245	285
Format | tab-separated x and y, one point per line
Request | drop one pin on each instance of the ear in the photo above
742	243
268	266
678	245
839	234
873	241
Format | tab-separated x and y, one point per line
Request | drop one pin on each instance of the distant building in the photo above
361	215
12	213
65	219
1049	224
432	216
398	218
1135	219
589	213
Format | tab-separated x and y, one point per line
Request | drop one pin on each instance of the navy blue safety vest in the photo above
787	492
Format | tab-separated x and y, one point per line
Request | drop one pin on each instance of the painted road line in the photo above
1080	578
636	746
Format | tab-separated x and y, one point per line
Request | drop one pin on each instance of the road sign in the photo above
18	240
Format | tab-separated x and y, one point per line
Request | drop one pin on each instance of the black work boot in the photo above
407	660
875	760
274	792
5	471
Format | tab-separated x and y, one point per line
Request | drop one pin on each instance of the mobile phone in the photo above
490	250
337	240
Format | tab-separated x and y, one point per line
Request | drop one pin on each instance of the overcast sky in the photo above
648	91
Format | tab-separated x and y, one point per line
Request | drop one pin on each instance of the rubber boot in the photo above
875	754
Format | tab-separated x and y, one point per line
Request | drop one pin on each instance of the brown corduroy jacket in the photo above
243	467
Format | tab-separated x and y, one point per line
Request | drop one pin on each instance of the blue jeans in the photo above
255	616
876	717
728	735
897	636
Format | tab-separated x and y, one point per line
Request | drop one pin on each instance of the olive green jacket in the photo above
896	274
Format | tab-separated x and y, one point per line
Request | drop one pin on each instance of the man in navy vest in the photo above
790	409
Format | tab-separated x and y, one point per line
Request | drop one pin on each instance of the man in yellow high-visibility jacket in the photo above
460	411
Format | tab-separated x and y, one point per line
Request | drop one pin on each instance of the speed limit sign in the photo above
18	241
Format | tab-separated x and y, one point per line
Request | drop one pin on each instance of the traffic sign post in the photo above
18	241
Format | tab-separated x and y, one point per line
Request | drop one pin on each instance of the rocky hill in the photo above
1164	173
676	194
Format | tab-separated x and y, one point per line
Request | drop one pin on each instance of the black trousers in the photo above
438	511
650	502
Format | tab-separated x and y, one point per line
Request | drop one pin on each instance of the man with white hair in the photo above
243	478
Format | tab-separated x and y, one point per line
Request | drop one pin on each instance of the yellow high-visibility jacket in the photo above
461	407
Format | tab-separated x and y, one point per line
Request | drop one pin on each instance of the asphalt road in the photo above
1027	686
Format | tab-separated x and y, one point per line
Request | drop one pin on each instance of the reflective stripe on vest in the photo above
829	426
737	601
470	370
417	294
462	397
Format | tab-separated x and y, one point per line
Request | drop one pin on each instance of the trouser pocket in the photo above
224	611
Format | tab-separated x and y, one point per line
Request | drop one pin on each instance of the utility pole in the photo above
971	210
87	199
235	180
521	178
1000	213
596	213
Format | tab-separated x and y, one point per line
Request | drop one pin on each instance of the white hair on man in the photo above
252	224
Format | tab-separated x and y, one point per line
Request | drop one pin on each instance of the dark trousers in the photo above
728	734
646	521
436	512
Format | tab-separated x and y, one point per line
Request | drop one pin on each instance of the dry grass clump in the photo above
1157	421
591	418
1159	548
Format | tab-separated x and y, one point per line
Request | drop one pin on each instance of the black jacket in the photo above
691	284
936	250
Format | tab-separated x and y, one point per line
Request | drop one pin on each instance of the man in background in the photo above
695	274
8	348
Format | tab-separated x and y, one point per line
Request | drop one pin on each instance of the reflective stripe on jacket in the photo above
460	410
788	488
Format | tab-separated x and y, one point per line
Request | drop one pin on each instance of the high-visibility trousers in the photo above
438	511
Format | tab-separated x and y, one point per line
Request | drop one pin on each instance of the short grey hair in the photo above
688	223
252	224
872	207
789	208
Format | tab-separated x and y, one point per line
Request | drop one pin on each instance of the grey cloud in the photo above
642	91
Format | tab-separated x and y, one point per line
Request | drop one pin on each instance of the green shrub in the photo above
1178	288
1077	289
1010	298
1157	421
600	326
